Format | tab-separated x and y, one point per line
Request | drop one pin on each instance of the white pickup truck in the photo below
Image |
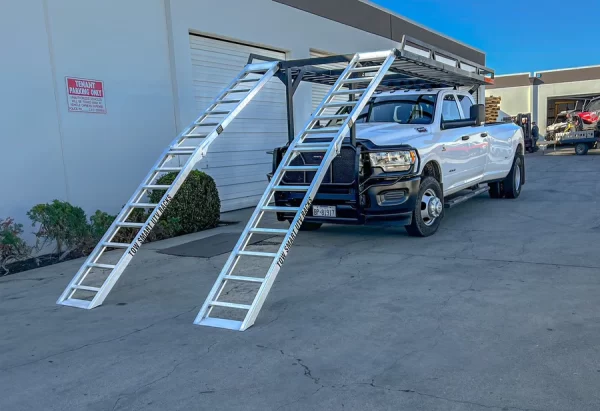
416	153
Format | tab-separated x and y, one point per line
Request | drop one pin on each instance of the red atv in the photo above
590	114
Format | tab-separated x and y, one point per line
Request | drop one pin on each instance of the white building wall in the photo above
31	163
515	100
546	91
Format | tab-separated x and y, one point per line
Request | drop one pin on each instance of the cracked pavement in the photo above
498	311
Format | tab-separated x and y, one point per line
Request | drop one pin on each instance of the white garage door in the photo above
237	160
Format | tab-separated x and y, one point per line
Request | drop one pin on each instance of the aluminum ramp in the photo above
97	277
239	315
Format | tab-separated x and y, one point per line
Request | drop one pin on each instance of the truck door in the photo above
478	142
455	147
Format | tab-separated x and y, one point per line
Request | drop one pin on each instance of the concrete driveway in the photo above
498	311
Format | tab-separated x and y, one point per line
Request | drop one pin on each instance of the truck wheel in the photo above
429	209
512	182
581	149
496	190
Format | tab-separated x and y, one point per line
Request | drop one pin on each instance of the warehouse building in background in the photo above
93	92
545	94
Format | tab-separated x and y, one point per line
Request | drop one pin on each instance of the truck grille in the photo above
341	171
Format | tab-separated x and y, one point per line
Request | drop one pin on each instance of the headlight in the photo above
393	160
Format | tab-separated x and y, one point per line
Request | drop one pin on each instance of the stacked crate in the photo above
492	109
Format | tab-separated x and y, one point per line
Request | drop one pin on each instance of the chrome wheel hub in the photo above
431	207
517	177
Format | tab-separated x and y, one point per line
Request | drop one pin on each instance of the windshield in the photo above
561	119
593	106
407	109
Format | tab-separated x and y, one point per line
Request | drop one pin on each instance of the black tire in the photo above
419	227
496	190
512	184
581	149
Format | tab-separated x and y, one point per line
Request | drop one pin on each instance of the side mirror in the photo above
477	113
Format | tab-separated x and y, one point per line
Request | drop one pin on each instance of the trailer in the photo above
582	141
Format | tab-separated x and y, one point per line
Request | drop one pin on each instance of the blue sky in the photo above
517	35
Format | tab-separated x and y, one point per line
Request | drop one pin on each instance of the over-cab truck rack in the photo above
418	66
413	65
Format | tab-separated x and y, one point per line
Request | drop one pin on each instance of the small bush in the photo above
12	246
165	228
62	223
196	206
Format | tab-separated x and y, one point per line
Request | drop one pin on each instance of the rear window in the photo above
407	109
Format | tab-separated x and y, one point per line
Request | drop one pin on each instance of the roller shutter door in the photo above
237	160
319	91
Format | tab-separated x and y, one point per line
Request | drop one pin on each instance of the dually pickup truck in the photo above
417	152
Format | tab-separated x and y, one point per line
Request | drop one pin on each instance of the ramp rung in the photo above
248	80
156	187
357	80
322	130
332	117
356	91
277	209
220	323
75	302
115	245
364	69
230	305
244	90
103	266
86	288
195	136
169	169
257	254
307	148
131	225
242	278
181	151
268	231
290	188
207	124
341	104
143	205
301	168
218	113
228	101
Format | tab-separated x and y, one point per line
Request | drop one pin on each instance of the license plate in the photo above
323	211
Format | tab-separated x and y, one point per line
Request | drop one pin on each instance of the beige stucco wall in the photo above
515	100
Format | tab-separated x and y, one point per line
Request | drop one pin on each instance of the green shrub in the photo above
12	246
196	206
99	224
62	223
165	228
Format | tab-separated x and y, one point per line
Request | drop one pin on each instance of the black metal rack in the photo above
418	66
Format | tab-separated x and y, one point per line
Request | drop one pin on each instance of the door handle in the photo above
484	134
465	138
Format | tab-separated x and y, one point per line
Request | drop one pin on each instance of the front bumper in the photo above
385	200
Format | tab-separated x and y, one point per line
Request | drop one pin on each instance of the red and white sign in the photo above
85	96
